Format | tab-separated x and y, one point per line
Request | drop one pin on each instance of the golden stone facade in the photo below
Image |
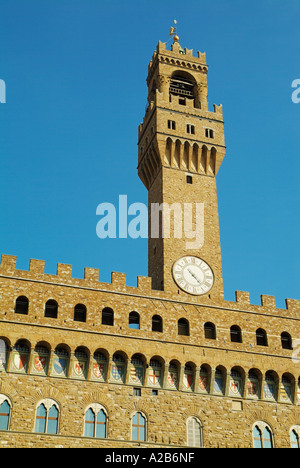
92	364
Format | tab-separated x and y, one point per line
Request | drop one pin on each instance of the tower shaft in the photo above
181	148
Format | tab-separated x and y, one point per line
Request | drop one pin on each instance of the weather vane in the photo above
173	32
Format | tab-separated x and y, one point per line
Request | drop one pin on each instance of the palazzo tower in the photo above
181	148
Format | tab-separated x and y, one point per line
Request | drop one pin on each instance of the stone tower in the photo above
181	148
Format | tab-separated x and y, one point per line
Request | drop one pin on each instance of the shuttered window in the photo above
194	433
183	327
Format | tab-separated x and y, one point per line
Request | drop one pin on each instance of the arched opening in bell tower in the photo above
183	85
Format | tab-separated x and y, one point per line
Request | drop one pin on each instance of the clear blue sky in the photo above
75	73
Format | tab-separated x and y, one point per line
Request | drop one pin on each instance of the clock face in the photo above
193	275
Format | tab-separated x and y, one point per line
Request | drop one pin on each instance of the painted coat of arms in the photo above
99	370
79	368
218	385
252	389
117	372
20	362
40	364
203	383
173	379
154	377
188	381
269	391
136	375
60	366
235	387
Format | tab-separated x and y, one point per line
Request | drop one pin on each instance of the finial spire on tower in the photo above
173	32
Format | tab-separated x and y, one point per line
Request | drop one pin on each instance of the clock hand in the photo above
194	276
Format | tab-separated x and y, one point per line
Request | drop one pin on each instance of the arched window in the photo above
51	309
5	412
134	320
47	414
89	423
182	85
22	305
107	316
41	418
95	422
204	383
20	357
41	357
61	361
253	384
118	368
270	388
286	341
220	379
209	331
235	334
183	327
194	433
212	160
257	439
155	375
261	337
157	323
80	313
204	153
136	373
173	375
262	435
286	390
99	366
188	377
236	383
4	353
295	437
80	363
138	427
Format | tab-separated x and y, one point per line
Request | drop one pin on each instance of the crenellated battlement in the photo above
186	56
268	303
36	273
63	275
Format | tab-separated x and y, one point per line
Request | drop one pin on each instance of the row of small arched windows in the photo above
80	315
155	373
236	335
